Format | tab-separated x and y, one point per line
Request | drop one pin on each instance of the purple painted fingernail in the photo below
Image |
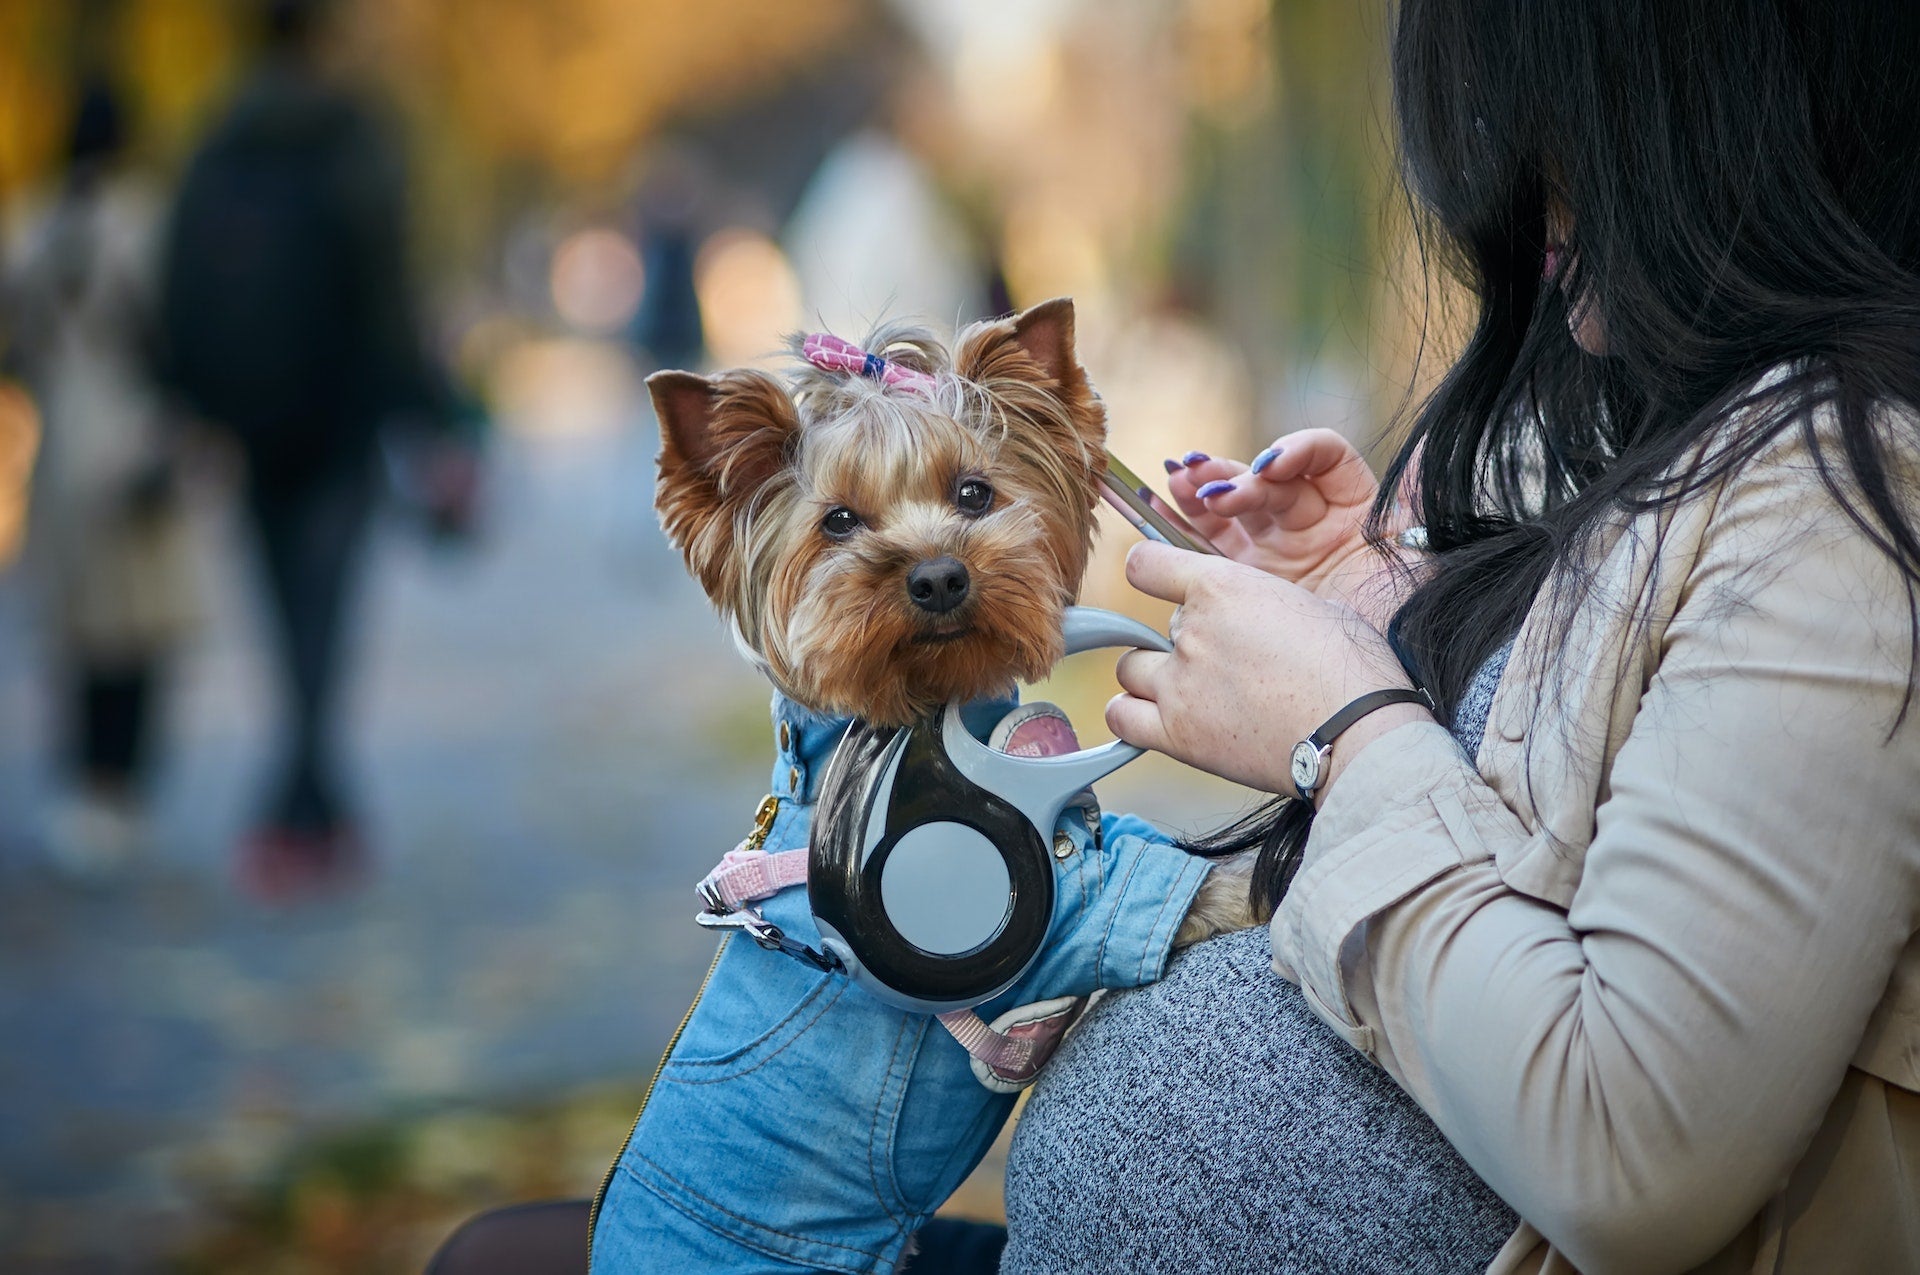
1264	459
1173	466
1195	458
1217	488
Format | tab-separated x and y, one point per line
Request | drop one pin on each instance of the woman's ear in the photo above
725	443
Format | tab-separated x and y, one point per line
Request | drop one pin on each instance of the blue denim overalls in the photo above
797	1123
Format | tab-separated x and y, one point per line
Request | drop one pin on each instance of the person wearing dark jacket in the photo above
290	327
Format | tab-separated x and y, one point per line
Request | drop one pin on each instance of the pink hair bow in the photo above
831	354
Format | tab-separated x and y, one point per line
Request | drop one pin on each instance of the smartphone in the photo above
1123	490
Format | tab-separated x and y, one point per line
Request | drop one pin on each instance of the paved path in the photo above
553	739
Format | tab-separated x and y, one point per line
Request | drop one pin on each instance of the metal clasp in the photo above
769	936
762	822
749	920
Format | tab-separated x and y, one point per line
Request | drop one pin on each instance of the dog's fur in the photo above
750	467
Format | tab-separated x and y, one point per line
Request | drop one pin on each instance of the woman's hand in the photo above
1258	664
1298	513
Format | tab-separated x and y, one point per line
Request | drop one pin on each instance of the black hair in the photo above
1735	186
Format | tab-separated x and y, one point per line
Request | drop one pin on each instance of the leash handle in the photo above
1041	786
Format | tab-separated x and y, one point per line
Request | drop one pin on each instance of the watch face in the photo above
1306	766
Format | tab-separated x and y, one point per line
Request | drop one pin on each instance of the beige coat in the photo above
80	279
1651	964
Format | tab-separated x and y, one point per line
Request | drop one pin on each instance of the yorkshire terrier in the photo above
881	553
884	546
888	530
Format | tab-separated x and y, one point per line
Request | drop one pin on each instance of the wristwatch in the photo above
1309	762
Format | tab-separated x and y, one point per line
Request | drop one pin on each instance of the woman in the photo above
109	523
1649	965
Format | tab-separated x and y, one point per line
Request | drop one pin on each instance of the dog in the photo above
889	529
882	550
881	553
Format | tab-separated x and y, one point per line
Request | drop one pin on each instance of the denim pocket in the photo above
751	1021
755	1001
773	1122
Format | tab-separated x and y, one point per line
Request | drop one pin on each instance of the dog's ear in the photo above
1036	348
683	403
733	430
725	442
1045	332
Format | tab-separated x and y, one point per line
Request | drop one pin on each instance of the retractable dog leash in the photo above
929	874
930	871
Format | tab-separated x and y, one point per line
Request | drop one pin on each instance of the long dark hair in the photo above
1736	187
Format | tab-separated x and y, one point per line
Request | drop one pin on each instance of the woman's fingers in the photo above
1185	480
1139	673
1167	573
1137	721
1223	490
1325	459
1244	500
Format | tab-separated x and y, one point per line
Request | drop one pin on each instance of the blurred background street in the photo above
266	1013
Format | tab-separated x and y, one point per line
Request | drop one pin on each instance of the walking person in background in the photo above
667	329
108	528
290	328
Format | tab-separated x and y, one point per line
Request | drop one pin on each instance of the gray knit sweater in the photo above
1210	1123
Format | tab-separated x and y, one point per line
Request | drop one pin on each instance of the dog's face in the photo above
881	551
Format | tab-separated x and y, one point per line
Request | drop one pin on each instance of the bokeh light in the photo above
749	297
563	388
19	442
597	280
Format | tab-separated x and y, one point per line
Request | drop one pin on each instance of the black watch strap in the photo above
1372	701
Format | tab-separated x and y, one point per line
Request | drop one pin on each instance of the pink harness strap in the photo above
1016	1053
1012	1055
746	876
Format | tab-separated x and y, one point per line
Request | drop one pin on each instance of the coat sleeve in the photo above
1638	1075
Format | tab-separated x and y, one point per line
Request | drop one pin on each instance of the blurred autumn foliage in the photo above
575	87
570	87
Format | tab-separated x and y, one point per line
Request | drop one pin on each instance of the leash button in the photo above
1062	846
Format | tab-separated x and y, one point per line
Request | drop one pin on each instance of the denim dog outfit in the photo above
797	1123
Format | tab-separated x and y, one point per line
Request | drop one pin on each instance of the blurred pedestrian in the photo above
290	327
667	329
107	526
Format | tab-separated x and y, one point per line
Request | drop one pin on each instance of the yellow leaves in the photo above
576	86
34	111
176	55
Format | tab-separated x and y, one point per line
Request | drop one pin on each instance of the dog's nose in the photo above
938	586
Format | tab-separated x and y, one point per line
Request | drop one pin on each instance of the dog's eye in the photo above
840	522
974	496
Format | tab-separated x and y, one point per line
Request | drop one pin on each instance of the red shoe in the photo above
280	865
